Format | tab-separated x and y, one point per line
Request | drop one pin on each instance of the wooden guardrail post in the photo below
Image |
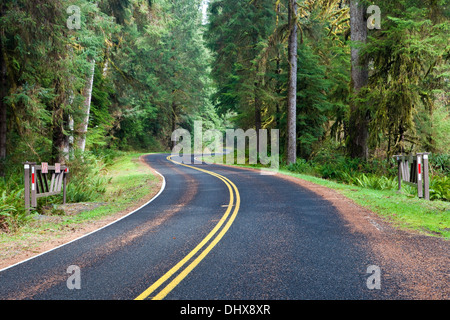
27	169
419	175
426	177
414	170
42	181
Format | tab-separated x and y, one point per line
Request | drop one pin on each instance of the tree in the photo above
408	83
87	94
357	140
292	92
238	33
3	91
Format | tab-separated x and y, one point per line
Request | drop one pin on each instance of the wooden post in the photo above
65	185
400	168
33	185
419	175
26	167
426	178
40	186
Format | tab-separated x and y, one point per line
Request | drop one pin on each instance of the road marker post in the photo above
43	181
414	170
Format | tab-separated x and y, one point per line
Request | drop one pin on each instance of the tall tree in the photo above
3	92
292	91
358	122
238	32
87	94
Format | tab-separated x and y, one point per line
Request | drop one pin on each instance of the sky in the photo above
205	4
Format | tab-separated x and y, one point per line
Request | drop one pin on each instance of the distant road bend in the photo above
222	232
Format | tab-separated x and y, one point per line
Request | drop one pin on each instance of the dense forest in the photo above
82	79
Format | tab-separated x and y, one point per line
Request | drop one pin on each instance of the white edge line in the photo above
88	234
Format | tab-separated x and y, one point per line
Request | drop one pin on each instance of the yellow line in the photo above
163	293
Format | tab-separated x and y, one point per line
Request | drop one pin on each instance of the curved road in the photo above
214	232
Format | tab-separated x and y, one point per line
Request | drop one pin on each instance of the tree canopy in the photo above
135	70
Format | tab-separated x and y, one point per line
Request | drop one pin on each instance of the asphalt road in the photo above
224	233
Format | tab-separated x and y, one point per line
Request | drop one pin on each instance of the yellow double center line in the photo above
215	235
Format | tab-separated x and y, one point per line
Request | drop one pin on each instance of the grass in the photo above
129	181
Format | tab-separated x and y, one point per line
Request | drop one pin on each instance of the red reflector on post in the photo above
419	169
32	178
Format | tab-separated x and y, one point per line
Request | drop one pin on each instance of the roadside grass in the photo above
128	182
402	209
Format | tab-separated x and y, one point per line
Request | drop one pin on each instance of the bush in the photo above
376	182
374	174
440	188
12	210
87	180
301	166
440	163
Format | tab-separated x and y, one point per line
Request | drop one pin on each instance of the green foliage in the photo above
87	179
440	188
409	79
12	211
158	68
374	182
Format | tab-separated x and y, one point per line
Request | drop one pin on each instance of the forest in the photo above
348	88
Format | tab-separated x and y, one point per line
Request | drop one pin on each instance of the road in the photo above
213	232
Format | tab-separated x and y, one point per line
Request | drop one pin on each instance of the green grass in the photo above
128	182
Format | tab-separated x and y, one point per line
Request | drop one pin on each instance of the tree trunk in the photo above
58	137
278	91
258	122
83	127
292	93
3	90
174	122
358	124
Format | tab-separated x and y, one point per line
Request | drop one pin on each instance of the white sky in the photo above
205	4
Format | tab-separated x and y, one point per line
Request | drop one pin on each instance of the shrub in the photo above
86	181
301	166
12	210
440	163
376	182
440	188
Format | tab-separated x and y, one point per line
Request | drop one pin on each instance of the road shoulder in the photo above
25	245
